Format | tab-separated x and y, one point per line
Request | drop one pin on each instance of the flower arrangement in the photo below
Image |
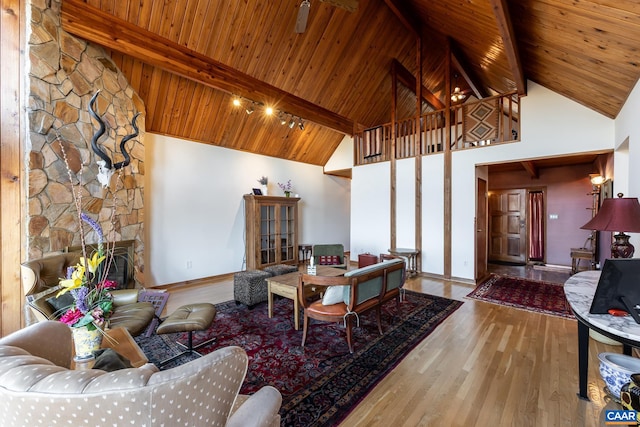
285	187
263	180
87	284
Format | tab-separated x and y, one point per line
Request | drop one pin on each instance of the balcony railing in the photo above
488	121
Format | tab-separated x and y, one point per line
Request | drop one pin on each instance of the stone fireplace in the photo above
64	74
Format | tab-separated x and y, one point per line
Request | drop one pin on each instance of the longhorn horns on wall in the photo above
105	165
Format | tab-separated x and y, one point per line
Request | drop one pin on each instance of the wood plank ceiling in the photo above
585	50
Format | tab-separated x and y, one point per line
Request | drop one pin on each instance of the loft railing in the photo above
488	121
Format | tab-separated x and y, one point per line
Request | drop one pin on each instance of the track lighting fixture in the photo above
284	117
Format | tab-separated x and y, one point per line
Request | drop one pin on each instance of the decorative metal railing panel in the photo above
488	121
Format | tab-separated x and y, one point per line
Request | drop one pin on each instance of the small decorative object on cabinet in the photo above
271	230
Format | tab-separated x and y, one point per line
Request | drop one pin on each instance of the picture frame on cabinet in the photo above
257	191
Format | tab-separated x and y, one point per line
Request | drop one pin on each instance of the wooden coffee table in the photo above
122	342
286	286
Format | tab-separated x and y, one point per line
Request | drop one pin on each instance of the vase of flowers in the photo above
286	188
263	183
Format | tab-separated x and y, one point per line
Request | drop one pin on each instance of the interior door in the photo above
507	212
481	230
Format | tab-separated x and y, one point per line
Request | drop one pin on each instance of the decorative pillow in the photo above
333	295
60	304
328	260
109	360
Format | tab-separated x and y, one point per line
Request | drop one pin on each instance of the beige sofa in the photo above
40	280
38	388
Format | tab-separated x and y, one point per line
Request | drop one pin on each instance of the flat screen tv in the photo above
618	287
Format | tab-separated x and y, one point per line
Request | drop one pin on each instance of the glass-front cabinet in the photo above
271	230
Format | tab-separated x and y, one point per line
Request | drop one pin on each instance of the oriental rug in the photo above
525	294
321	382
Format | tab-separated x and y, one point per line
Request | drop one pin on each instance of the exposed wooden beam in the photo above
407	19
531	168
94	25
406	78
505	27
13	177
458	60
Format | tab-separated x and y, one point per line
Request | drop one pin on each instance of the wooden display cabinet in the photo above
271	230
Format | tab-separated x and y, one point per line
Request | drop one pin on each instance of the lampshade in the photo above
617	214
621	214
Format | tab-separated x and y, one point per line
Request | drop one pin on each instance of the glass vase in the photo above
86	342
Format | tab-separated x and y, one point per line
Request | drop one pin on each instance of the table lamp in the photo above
618	214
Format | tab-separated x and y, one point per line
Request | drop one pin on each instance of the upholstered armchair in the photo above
37	387
332	255
40	280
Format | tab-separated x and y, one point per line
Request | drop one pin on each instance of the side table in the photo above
582	253
305	252
410	254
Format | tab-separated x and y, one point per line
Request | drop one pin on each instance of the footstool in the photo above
250	287
188	318
280	269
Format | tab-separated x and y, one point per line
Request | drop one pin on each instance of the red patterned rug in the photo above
322	382
525	294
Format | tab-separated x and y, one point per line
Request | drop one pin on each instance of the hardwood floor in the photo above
485	365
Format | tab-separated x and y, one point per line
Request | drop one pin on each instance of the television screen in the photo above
620	278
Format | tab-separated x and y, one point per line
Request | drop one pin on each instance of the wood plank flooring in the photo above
485	365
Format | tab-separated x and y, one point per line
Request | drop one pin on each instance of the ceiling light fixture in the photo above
284	117
457	95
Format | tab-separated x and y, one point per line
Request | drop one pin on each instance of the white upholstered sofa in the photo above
38	388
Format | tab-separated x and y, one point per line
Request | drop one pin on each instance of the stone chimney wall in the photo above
64	74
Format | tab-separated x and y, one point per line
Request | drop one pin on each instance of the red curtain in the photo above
536	226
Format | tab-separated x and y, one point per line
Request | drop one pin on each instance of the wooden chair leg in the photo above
304	328
378	316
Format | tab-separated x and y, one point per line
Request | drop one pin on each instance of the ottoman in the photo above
250	287
280	269
188	318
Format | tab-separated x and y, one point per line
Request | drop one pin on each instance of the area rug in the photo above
321	383
525	294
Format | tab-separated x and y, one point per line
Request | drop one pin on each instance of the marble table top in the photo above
580	289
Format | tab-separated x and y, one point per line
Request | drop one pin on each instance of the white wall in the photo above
552	125
370	216
627	154
194	206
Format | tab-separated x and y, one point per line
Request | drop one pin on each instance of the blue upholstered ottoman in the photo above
250	287
280	269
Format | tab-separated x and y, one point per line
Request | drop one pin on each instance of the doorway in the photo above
517	226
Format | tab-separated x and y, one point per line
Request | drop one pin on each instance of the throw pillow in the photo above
62	303
107	359
333	295
328	260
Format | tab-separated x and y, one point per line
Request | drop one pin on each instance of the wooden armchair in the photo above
338	312
326	255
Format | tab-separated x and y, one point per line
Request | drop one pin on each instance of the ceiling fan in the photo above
303	12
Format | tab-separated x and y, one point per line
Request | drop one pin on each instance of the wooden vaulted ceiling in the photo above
337	74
